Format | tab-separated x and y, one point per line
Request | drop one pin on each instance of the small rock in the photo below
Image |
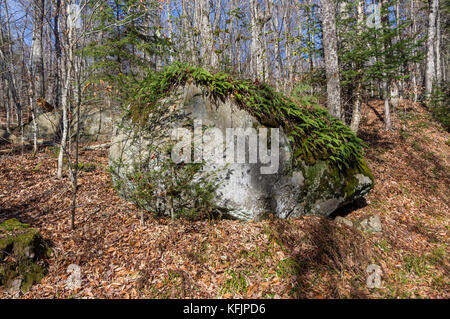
14	287
343	220
371	224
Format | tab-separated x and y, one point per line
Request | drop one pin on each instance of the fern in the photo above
314	133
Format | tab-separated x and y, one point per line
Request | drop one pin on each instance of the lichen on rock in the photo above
22	254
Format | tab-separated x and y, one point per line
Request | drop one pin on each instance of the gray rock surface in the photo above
97	122
48	125
343	220
371	224
243	192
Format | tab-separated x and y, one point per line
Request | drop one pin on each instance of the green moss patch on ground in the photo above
22	250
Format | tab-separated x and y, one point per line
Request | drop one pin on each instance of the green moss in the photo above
322	177
21	250
12	224
315	134
351	182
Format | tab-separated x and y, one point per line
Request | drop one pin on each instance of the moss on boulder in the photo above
321	164
313	133
22	254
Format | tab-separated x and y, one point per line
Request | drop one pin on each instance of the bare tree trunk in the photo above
187	30
387	113
385	82
75	168
256	60
170	28
207	52
356	113
415	65
57	54
437	45
331	58
38	58
214	27
9	73
277	34
65	101
7	106
289	43
399	82
430	71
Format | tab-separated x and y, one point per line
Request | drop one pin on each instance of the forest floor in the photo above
309	257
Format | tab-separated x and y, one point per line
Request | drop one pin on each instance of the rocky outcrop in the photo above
242	191
22	255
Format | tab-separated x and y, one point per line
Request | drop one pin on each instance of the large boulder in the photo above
96	122
22	256
143	145
48	127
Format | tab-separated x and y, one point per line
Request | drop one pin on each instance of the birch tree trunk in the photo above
430	70
38	58
331	59
385	82
278	58
67	74
356	113
415	65
57	72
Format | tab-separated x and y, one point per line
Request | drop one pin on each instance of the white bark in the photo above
331	59
258	21
37	74
356	113
385	82
67	74
430	70
414	66
169	27
278	59
37	48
